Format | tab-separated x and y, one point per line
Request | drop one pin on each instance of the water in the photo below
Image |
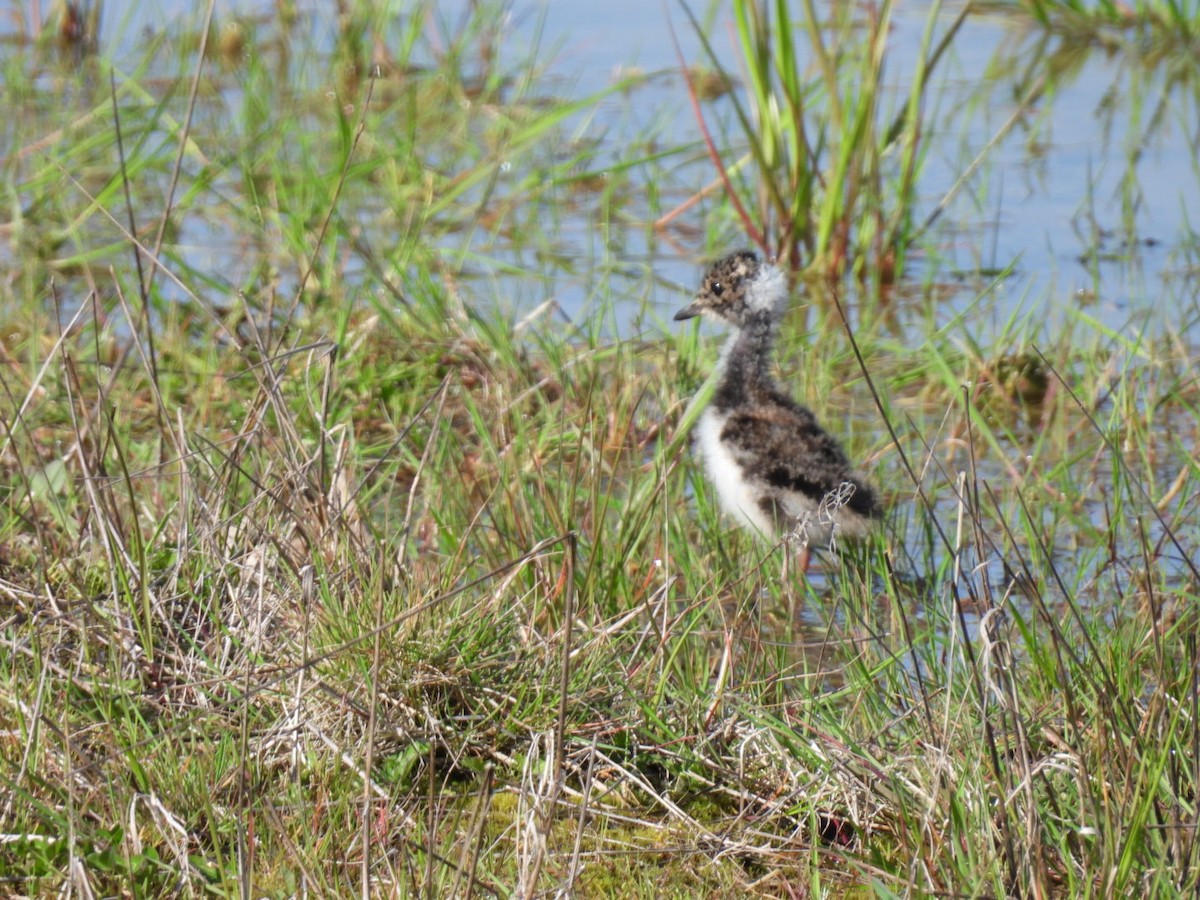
1085	200
1085	196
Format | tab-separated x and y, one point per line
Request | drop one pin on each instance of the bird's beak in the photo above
688	312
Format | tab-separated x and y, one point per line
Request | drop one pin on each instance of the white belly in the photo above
739	497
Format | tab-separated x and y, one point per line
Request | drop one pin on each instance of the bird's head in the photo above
737	288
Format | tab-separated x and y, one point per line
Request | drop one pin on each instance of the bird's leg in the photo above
805	557
788	587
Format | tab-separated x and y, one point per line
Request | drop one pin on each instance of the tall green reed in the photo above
829	163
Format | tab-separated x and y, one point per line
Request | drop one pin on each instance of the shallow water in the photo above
1085	200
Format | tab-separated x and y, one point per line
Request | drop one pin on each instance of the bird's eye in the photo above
718	288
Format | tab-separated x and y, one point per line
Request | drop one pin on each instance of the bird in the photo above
776	471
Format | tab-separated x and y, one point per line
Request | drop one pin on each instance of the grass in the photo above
332	575
1161	22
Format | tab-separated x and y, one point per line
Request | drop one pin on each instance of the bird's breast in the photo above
740	496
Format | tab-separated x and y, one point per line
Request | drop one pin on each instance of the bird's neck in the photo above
745	363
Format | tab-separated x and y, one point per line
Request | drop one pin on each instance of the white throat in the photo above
767	292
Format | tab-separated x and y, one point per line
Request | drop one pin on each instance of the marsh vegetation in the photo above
350	541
